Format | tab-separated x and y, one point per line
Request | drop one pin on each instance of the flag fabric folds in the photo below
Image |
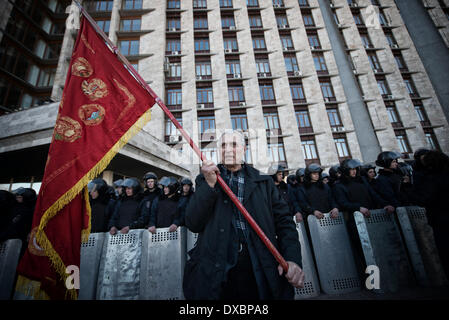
102	107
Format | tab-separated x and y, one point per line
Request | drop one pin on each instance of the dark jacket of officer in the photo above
102	209
283	190
129	211
165	212
182	204
316	196
209	213
388	187
353	193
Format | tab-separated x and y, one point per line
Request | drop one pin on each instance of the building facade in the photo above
306	80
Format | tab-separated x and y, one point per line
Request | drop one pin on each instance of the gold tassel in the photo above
41	237
86	232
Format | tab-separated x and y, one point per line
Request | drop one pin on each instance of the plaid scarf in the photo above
236	181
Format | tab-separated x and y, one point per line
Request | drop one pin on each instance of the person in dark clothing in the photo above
101	205
418	166
164	210
278	174
368	173
316	197
293	189
334	175
118	188
354	194
229	260
300	176
432	193
7	201
406	187
152	190
22	213
389	179
186	192
325	177
129	211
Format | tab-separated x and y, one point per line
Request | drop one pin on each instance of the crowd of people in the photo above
347	187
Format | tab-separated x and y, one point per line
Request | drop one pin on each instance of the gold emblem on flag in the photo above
94	89
67	129
33	247
82	68
91	114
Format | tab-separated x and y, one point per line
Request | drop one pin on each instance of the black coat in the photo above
307	207
283	189
388	187
209	213
346	203
134	220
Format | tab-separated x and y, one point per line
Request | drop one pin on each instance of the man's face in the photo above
94	194
315	176
326	180
186	188
394	164
19	199
129	191
232	150
166	190
371	173
352	173
279	176
150	183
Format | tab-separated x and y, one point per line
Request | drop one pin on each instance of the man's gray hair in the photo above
232	132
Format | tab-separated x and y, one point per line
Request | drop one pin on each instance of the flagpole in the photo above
186	136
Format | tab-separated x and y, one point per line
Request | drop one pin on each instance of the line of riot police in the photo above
352	186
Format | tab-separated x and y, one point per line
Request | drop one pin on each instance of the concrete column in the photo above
108	176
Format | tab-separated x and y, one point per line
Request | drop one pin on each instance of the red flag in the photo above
102	107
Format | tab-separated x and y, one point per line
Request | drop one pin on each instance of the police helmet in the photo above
132	183
149	175
334	171
171	183
97	184
291	179
312	168
118	183
325	175
367	167
385	158
28	194
405	169
300	173
186	181
349	164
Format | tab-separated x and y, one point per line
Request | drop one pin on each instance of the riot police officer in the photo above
278	175
389	179
101	204
164	210
186	191
129	212
334	175
118	188
325	177
315	196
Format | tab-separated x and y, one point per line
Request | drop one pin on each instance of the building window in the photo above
173	24
291	64
271	120
309	151
297	92
199	4
252	3
174	98
383	21
130	25
174	70
203	69
235	94
422	115
303	3
314	42
410	85
239	122
366	40
374	62
263	66
204	95
342	148
279	3
200	23
255	22
308	20
259	44
391	40
233	67
201	45
383	87
171	130
104	25
287	42
276	152
210	153
225	3
303	121
431	139
334	118
402	140
129	47
393	117
327	90
227	22
207	124
230	44
99	5
173	45
282	21
400	62
132	4
266	93
358	19
320	63
174	4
